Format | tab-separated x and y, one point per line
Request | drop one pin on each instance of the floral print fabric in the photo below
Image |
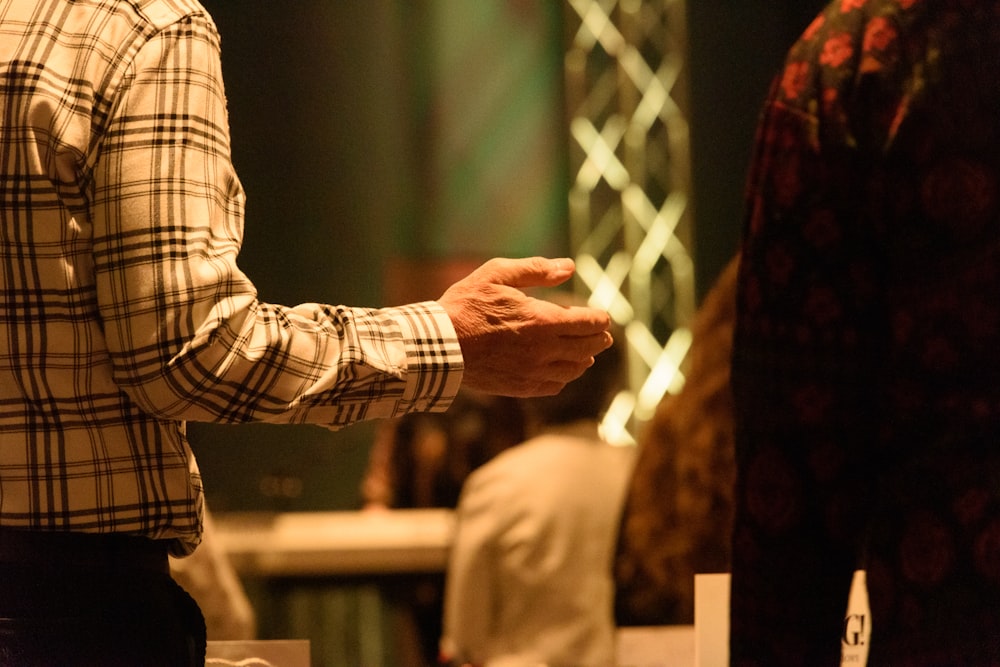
866	365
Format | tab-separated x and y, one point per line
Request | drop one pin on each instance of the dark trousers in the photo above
79	600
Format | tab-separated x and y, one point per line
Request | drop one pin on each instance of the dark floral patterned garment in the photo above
866	367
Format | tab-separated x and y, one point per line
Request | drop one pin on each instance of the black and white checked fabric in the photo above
122	310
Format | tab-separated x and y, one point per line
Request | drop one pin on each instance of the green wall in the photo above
318	110
343	135
368	133
352	136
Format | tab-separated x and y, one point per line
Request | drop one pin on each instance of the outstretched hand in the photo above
516	345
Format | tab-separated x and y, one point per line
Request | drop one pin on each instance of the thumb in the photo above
527	272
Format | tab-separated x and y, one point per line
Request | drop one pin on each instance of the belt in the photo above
44	550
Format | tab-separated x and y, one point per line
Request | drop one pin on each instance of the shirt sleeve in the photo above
186	334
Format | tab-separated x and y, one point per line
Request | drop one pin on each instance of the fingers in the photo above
532	366
574	320
583	347
530	379
516	345
527	272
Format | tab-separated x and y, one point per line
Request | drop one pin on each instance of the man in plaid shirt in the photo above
123	315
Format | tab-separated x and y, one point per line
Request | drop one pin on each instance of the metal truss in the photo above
630	221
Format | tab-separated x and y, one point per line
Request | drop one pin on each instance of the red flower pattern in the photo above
831	101
869	321
987	551
971	505
812	404
837	50
822	307
773	496
821	229
780	265
879	35
926	551
961	194
794	80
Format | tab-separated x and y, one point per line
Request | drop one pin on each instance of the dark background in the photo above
323	140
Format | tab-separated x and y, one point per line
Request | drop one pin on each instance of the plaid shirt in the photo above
122	311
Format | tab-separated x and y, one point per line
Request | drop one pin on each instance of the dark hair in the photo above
679	508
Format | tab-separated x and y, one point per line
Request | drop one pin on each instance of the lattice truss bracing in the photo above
630	222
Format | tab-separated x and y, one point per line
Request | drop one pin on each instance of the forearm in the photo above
187	337
310	364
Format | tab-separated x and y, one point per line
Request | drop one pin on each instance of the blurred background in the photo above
389	146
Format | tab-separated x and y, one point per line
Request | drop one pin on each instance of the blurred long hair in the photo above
679	509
